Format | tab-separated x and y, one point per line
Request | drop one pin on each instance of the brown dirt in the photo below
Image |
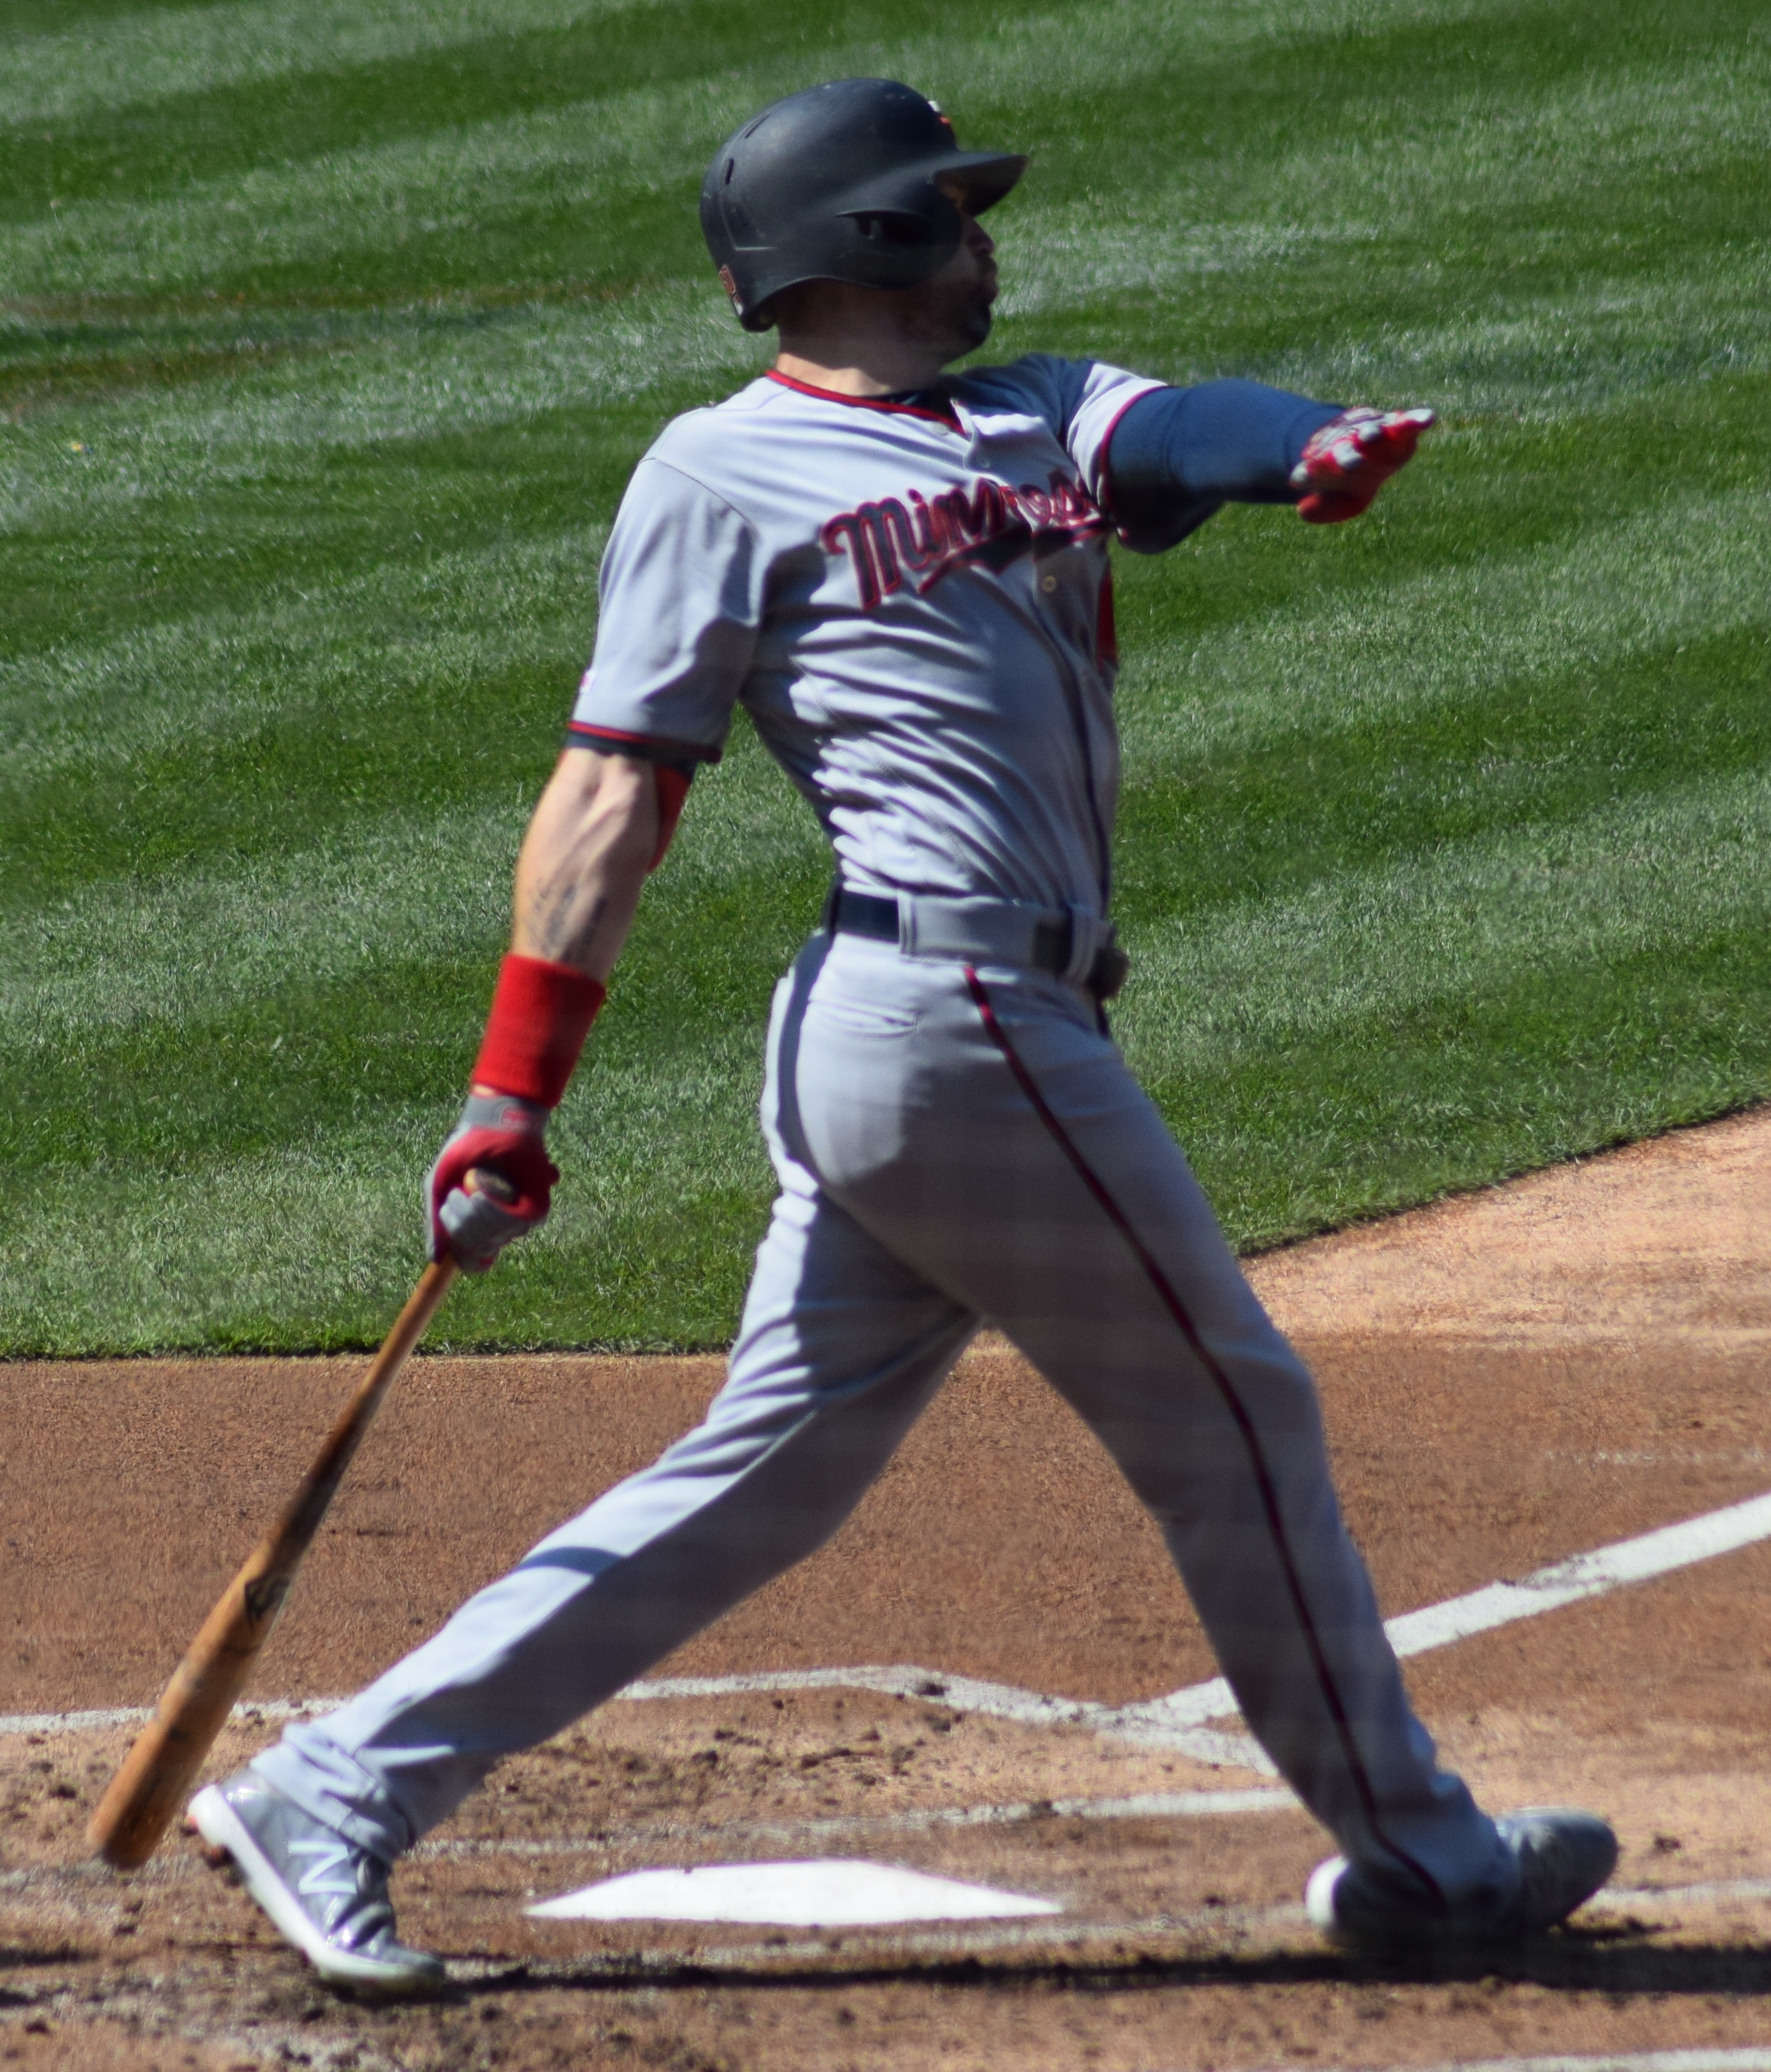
1508	1378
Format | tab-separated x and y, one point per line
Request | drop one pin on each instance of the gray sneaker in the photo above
325	1895
1563	1856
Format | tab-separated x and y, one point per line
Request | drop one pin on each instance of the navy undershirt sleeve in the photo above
1178	455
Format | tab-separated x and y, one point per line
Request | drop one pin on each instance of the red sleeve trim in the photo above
661	746
673	791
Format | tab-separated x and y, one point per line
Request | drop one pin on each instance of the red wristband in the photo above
541	1015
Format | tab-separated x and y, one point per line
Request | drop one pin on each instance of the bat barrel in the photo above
144	1797
141	1799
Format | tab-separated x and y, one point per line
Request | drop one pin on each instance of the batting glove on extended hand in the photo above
503	1136
1350	458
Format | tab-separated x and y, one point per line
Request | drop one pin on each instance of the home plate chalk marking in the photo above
1178	1721
835	1892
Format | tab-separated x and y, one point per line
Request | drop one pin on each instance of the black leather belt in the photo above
867	914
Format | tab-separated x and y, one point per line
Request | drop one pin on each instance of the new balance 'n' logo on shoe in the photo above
324	1894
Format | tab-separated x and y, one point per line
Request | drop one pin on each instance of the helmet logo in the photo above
731	287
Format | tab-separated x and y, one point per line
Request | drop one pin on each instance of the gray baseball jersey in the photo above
913	606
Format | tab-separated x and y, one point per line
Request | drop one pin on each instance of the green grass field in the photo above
328	335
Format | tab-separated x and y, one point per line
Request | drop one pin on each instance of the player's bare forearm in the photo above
584	860
594	836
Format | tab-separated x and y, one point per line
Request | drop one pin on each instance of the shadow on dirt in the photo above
1614	1961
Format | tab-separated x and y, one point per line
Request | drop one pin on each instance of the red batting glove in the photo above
1350	458
541	1015
503	1135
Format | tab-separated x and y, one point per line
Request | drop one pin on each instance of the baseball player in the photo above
902	577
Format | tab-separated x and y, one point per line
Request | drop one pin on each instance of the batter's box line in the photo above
95	1881
1637	2061
1178	1721
865	1827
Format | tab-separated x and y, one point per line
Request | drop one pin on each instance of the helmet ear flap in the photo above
924	218
887	246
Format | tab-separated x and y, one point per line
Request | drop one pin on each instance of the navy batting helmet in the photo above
846	181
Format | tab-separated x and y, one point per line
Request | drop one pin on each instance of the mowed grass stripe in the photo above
1346	663
1281	985
376	894
150	53
1311	808
365	657
77	710
153	53
194	943
303	1245
433	369
1490	150
1462	921
291	634
1369	1117
1689	565
1600	343
421	375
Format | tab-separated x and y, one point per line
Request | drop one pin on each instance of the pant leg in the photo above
840	1348
1033	1179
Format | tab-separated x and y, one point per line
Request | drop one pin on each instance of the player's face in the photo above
904	336
952	308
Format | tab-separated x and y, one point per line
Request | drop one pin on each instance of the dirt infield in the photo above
1509	1380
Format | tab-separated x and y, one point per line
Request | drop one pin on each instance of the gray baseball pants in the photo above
955	1146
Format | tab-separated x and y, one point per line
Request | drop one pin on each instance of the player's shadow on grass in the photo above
1620	1960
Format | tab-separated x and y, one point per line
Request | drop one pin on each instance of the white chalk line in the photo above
1637	2061
833	1827
132	1716
1176	1721
859	1827
1581	1577
960	1694
1002	1701
1644	1899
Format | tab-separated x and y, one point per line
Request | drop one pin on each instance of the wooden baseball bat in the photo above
138	1805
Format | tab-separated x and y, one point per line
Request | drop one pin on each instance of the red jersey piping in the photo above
864	402
1266	1489
589	731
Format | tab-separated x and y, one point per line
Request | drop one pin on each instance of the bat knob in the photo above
482	1180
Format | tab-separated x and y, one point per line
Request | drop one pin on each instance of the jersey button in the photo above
1048	584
